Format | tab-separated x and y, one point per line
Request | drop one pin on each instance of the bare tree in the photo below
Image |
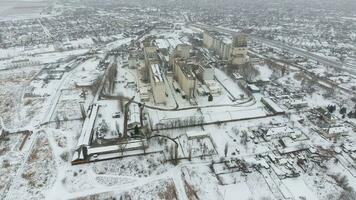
189	153
347	195
58	122
117	126
175	154
111	77
248	71
82	110
171	153
226	149
244	138
121	102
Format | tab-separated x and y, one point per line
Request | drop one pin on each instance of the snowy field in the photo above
230	147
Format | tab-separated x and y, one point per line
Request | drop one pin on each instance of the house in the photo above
337	130
253	88
278	132
297	103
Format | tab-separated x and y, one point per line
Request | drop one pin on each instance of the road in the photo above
250	100
45	30
285	47
55	97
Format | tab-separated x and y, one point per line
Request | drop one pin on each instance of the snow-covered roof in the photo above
174	42
293	149
134	113
162	44
253	87
275	131
338	130
296	102
135	144
156	73
272	104
86	133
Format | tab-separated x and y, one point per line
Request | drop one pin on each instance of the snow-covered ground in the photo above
232	147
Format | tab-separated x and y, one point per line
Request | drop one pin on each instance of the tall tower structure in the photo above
239	50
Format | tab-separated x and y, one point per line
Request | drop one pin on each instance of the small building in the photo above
29	91
278	132
271	105
237	76
325	114
253	88
134	117
214	87
144	94
205	72
297	103
337	130
23	63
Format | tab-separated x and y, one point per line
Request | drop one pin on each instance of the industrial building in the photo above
155	75
239	50
181	51
234	51
219	43
151	56
205	72
183	74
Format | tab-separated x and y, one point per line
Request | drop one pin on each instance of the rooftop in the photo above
156	73
187	69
